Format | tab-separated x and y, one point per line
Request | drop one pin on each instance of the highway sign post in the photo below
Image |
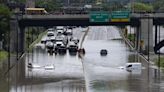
99	16
120	16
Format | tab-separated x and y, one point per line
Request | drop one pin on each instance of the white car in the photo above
88	6
59	43
49	45
43	40
50	29
75	40
60	31
49	67
31	65
60	28
72	45
50	34
69	32
60	47
61	38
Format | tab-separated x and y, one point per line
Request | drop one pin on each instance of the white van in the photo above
133	66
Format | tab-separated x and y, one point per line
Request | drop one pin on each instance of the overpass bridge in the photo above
67	20
143	24
84	20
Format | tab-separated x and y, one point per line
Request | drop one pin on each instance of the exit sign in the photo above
99	16
120	16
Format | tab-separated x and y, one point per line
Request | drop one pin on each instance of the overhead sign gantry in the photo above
114	16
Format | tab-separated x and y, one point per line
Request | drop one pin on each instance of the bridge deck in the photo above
83	20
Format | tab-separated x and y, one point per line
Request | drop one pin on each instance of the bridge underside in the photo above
158	21
73	22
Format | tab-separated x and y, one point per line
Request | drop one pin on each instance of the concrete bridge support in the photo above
146	35
17	37
137	36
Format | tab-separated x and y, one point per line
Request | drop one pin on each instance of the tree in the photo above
158	5
113	6
141	7
49	5
4	23
4	11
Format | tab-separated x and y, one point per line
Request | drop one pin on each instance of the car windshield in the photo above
60	28
50	34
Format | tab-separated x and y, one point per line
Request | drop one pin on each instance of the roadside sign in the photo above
99	16
120	16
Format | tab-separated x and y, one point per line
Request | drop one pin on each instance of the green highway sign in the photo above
99	16
104	16
120	16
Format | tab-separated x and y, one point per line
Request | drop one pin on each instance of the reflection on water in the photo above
102	74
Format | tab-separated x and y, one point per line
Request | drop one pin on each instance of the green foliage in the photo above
4	23
37	40
113	6
33	35
49	5
141	7
4	11
131	37
3	55
161	62
20	1
158	5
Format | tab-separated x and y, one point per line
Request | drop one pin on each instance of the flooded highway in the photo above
92	73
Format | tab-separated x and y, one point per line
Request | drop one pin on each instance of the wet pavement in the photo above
94	73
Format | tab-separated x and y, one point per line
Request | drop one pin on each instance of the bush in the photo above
3	55
131	37
161	62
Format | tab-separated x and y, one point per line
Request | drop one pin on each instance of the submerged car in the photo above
72	47
62	38
133	66
50	29
103	52
49	45
60	47
50	34
74	39
68	32
59	32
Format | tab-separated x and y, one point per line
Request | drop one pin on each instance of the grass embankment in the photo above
37	40
161	62
3	55
131	37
